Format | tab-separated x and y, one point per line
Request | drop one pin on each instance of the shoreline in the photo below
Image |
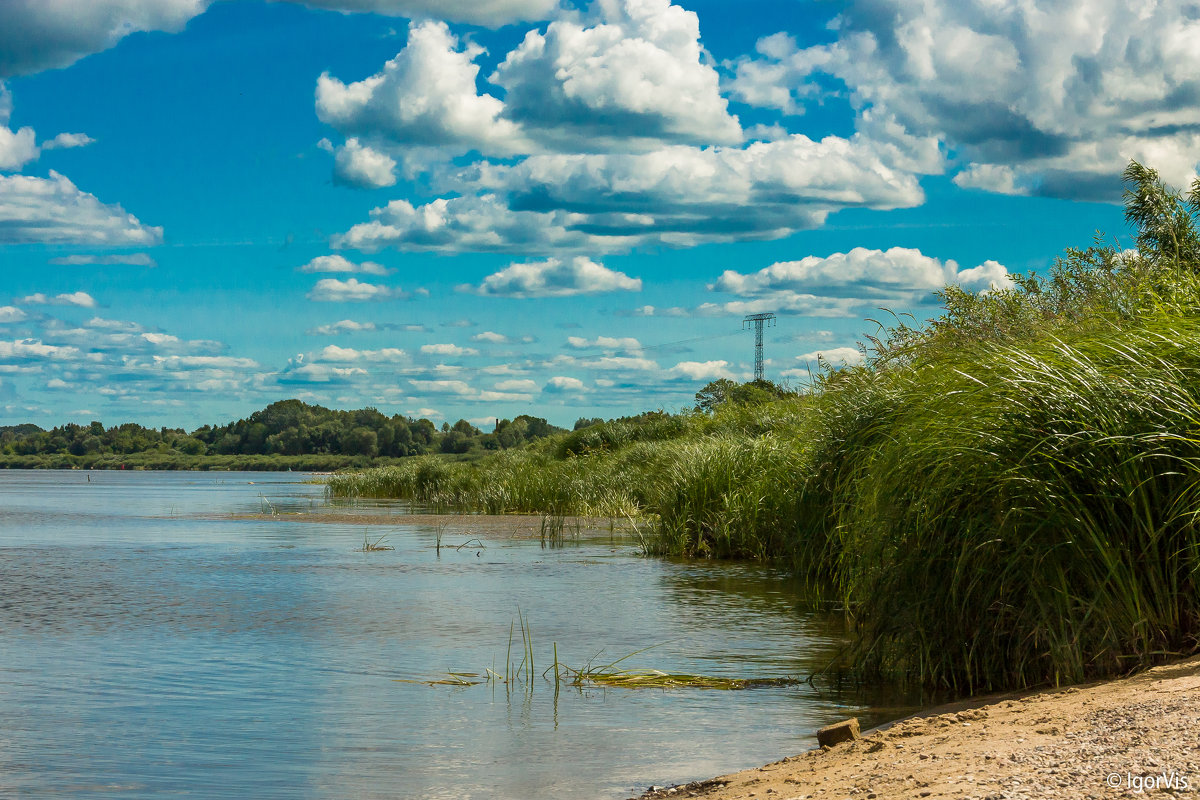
1127	737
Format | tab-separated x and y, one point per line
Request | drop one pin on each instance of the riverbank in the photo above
1123	738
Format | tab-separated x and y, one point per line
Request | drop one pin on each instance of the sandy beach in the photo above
1125	738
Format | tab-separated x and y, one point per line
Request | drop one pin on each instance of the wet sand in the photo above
1133	737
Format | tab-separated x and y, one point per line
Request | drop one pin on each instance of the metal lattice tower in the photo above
758	321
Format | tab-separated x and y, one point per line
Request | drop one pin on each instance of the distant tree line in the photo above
285	428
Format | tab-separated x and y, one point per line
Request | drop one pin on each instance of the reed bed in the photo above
1027	515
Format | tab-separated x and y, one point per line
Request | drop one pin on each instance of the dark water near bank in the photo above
152	646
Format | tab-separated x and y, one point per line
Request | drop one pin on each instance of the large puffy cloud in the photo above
677	196
865	274
637	73
1047	98
424	96
835	285
693	185
632	78
38	34
465	224
53	211
563	384
555	278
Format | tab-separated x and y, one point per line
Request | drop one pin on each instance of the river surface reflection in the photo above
158	637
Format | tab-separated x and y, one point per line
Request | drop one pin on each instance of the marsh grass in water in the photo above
369	546
522	673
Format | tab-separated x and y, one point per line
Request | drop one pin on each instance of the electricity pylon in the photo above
758	320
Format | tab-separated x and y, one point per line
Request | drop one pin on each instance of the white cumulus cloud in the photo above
627	343
1047	98
17	148
45	34
555	278
357	164
342	326
425	96
491	337
676	196
448	350
341	264
82	299
632	77
630	74
351	290
35	350
53	211
700	370
345	354
564	383
857	277
67	141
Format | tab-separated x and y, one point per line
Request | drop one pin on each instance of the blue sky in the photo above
482	208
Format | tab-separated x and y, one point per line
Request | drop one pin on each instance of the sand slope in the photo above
1127	738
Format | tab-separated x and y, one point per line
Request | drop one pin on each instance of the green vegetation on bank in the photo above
1004	496
284	435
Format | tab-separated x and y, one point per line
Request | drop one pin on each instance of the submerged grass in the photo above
522	673
376	546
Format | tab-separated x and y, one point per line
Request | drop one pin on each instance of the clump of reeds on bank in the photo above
1004	496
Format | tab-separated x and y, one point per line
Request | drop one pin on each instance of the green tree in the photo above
1163	218
721	391
714	394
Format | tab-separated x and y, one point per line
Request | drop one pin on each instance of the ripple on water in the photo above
151	646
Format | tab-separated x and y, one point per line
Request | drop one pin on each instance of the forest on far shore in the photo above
288	434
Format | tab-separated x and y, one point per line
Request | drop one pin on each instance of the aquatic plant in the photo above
369	546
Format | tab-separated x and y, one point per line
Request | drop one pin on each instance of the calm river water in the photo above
152	644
